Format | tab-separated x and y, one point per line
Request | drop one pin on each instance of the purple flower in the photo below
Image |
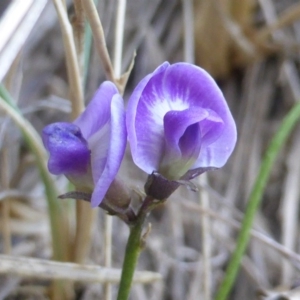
89	151
178	121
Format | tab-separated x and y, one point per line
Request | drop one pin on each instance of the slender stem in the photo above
79	31
206	242
88	38
76	91
188	17
117	71
133	249
119	35
108	249
33	140
6	231
132	253
99	38
277	142
84	214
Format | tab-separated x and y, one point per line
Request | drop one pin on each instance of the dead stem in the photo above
76	92
289	69
5	205
188	23
78	26
84	214
206	241
99	38
289	208
117	73
286	18
285	252
189	55
108	252
15	27
44	269
119	34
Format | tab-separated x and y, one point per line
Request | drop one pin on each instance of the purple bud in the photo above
89	151
69	152
178	120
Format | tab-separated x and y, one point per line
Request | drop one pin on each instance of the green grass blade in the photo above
276	143
59	228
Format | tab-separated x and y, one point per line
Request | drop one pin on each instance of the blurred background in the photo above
252	49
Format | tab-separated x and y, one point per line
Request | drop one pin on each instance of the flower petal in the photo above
179	87
145	135
175	125
116	134
69	153
97	112
186	132
195	86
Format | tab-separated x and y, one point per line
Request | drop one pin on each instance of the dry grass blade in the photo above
5	205
285	252
42	269
206	240
292	14
289	69
78	25
229	35
99	38
15	27
85	215
76	91
290	207
119	35
108	250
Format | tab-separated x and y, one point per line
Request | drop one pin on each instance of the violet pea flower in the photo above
179	123
89	151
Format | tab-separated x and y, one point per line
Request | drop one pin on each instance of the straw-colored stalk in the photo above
84	214
99	38
15	27
43	269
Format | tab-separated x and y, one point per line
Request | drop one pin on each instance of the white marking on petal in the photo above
161	106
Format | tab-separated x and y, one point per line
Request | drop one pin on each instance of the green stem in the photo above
133	249
59	227
278	140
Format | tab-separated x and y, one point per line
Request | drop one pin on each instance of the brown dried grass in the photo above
253	48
